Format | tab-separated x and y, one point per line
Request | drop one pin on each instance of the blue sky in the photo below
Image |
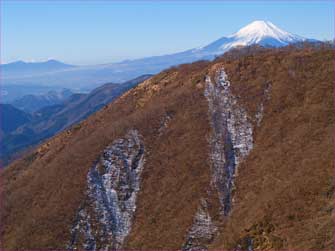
87	32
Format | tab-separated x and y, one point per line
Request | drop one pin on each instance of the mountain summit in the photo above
23	69
258	32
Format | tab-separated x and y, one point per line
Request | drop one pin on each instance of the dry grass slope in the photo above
283	195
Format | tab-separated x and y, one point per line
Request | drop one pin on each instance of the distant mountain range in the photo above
11	119
54	73
11	93
22	130
31	103
21	69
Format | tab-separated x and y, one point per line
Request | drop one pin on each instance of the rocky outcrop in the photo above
202	231
230	142
231	139
105	218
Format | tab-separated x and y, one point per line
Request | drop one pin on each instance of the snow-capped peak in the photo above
260	29
264	33
259	32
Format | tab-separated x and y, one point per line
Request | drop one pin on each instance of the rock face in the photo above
104	220
202	231
230	142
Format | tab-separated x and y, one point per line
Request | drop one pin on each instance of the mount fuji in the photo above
263	33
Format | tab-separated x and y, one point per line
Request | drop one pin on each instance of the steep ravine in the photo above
104	219
230	142
231	139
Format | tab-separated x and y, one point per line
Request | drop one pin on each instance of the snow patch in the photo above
105	219
231	139
230	143
202	230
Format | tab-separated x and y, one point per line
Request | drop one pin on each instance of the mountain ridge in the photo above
31	103
24	69
11	119
49	120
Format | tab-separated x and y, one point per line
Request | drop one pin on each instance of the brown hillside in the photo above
282	193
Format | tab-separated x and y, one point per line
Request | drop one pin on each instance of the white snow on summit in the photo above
259	32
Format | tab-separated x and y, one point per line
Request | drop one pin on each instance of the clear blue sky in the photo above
87	32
